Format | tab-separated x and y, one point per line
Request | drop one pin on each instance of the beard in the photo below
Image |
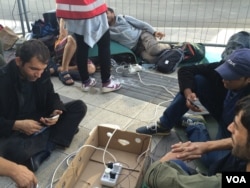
242	152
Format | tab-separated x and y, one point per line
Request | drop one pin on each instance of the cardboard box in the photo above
130	149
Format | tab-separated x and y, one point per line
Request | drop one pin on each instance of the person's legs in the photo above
68	53
19	147
82	58
68	46
199	133
174	112
108	84
104	56
152	46
63	132
148	58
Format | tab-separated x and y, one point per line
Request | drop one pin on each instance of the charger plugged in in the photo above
133	68
111	174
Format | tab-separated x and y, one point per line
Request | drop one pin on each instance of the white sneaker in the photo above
111	86
87	86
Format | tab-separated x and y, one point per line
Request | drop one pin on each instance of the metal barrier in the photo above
209	22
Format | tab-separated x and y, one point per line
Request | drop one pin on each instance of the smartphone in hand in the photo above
54	117
193	104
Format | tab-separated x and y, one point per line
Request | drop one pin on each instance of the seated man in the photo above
20	174
27	133
169	172
218	86
136	35
65	48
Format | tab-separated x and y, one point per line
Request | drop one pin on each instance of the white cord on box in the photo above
105	149
71	155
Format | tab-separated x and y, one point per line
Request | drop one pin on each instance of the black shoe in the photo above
153	130
36	160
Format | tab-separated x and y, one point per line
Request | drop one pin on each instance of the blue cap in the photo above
236	66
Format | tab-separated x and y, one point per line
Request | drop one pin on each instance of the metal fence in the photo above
210	22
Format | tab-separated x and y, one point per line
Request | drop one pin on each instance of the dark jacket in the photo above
186	77
46	99
224	117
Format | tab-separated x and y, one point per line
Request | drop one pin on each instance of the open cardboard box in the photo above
130	149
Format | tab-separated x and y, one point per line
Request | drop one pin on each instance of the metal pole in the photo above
21	16
26	17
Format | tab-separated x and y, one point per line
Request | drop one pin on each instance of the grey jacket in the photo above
127	30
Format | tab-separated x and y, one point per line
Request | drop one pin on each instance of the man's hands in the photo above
29	126
186	151
189	150
159	34
20	174
51	121
190	100
24	177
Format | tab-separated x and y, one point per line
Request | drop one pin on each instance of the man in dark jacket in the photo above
27	101
218	86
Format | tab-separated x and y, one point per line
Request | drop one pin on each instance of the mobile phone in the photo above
54	116
193	104
40	131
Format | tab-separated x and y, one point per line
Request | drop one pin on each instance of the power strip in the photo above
111	174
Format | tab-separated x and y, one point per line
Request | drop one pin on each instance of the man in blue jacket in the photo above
218	86
136	35
28	134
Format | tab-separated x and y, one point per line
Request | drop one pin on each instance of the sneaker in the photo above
191	120
89	84
111	86
153	130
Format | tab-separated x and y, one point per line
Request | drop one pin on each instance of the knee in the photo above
81	106
71	42
91	67
76	107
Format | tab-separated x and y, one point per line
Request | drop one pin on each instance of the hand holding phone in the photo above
54	117
193	104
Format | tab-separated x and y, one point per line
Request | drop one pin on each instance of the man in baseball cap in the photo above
236	66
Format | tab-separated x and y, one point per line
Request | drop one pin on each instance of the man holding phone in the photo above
33	119
218	86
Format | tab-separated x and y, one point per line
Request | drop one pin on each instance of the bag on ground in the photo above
193	52
236	41
8	37
169	60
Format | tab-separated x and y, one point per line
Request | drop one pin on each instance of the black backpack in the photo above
236	41
169	60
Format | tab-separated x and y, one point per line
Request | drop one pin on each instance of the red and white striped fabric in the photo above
79	9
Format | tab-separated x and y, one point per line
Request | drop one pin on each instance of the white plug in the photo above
134	68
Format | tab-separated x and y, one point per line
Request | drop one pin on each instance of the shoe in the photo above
191	120
65	78
111	86
36	160
154	130
89	84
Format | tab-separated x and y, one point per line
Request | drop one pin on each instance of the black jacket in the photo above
46	99
186	80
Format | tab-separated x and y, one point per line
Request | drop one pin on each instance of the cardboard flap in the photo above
121	140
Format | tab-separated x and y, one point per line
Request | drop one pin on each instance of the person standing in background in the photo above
88	21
